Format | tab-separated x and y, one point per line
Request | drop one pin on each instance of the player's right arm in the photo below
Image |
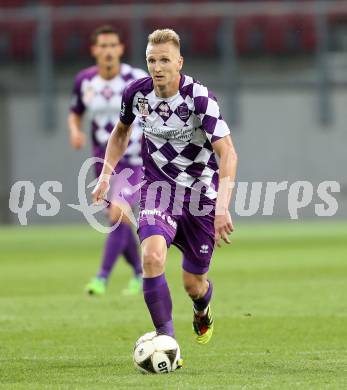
77	109
77	137
116	147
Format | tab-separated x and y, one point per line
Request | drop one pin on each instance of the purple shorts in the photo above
180	225
123	184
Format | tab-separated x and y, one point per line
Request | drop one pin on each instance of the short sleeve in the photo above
207	110
77	106
126	115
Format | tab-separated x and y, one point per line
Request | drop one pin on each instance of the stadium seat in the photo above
205	36
71	3
254	35
12	3
67	40
250	33
182	26
17	39
337	26
300	34
198	36
72	38
274	36
5	42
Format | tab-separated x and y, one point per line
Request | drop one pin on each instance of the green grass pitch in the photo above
280	308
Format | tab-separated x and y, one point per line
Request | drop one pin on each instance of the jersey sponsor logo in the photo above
143	106
183	111
182	134
160	214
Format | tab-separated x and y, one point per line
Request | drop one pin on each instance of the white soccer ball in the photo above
156	354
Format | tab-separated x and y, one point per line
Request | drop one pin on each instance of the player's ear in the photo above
180	63
93	50
121	49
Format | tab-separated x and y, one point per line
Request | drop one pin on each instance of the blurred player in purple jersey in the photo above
183	131
98	92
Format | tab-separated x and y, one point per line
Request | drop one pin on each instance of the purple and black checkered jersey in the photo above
101	99
178	132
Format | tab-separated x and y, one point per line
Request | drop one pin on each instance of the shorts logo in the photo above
143	106
183	111
158	213
204	249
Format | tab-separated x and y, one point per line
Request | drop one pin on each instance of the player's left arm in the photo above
218	133
225	150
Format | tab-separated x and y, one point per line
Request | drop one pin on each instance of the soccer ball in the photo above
157	354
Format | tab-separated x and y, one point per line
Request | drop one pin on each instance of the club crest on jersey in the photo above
164	109
204	249
183	111
107	92
143	106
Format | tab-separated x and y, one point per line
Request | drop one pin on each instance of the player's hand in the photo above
223	226
77	139
100	190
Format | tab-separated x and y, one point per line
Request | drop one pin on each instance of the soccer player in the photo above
98	92
183	131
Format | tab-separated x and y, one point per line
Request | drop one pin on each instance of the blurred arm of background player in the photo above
116	146
227	172
77	137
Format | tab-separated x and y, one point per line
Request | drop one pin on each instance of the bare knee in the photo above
153	261
153	251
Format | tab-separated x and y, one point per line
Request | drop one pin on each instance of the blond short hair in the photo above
163	36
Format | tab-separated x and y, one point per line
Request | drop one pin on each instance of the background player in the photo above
97	92
183	129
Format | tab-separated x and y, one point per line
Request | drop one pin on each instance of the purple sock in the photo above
200	304
114	247
157	296
131	253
